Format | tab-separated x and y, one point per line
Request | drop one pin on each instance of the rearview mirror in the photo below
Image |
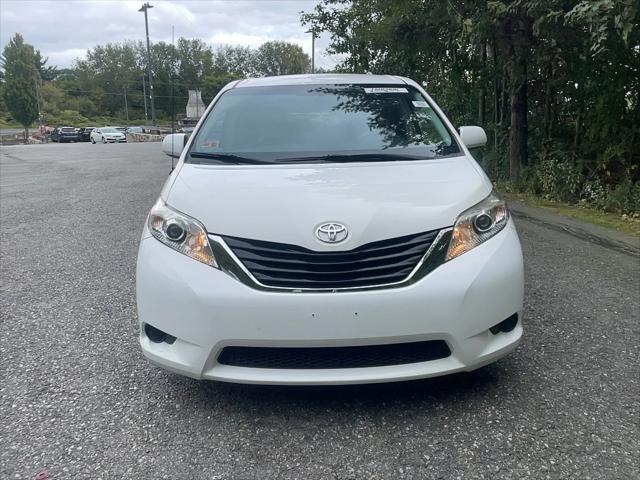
473	137
173	144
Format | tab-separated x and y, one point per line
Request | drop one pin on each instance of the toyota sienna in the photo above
327	229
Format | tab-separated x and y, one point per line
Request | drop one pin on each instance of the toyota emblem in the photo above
331	232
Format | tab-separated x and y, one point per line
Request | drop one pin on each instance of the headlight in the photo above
477	225
180	232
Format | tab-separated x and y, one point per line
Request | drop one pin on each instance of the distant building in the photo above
195	109
195	105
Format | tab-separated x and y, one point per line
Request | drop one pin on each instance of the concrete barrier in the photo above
18	139
144	137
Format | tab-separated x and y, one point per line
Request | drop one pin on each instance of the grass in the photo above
7	124
587	214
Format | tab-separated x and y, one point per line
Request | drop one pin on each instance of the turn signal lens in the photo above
477	225
180	232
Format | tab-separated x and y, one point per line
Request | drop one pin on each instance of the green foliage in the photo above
573	66
555	178
100	80
47	73
281	58
212	84
110	81
236	60
68	117
622	198
20	81
195	59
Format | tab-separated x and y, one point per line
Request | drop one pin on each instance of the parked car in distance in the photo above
64	134
107	135
327	229
84	134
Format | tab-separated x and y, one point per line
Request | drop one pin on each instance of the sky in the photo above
64	30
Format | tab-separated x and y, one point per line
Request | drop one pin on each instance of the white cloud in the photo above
65	57
65	30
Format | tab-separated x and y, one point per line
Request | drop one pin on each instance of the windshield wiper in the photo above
227	158
358	157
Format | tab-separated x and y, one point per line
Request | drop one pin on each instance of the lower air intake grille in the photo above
334	357
291	266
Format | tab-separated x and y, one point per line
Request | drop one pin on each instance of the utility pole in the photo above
144	94
38	100
144	9
126	107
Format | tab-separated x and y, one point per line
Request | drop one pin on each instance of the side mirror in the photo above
473	137
173	144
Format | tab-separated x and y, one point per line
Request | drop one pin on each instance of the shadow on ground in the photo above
485	382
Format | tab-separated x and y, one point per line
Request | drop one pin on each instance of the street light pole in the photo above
144	9
313	52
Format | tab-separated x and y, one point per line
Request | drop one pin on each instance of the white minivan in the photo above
327	229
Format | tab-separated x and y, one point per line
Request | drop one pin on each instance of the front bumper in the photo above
207	310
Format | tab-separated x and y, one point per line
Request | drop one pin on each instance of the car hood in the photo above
286	203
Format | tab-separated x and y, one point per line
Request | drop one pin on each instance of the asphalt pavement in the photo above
78	400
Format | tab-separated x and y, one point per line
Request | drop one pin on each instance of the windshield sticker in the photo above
211	144
385	90
420	104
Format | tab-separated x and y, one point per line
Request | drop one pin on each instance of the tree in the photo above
238	60
47	73
195	60
281	58
551	80
21	82
113	69
212	84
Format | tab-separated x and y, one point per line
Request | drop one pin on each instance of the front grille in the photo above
334	357
377	263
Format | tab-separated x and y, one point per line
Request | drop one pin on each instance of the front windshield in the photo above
310	123
109	130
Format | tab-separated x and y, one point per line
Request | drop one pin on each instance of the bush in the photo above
623	198
593	192
71	118
556	177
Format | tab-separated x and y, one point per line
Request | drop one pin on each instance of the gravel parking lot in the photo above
78	400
